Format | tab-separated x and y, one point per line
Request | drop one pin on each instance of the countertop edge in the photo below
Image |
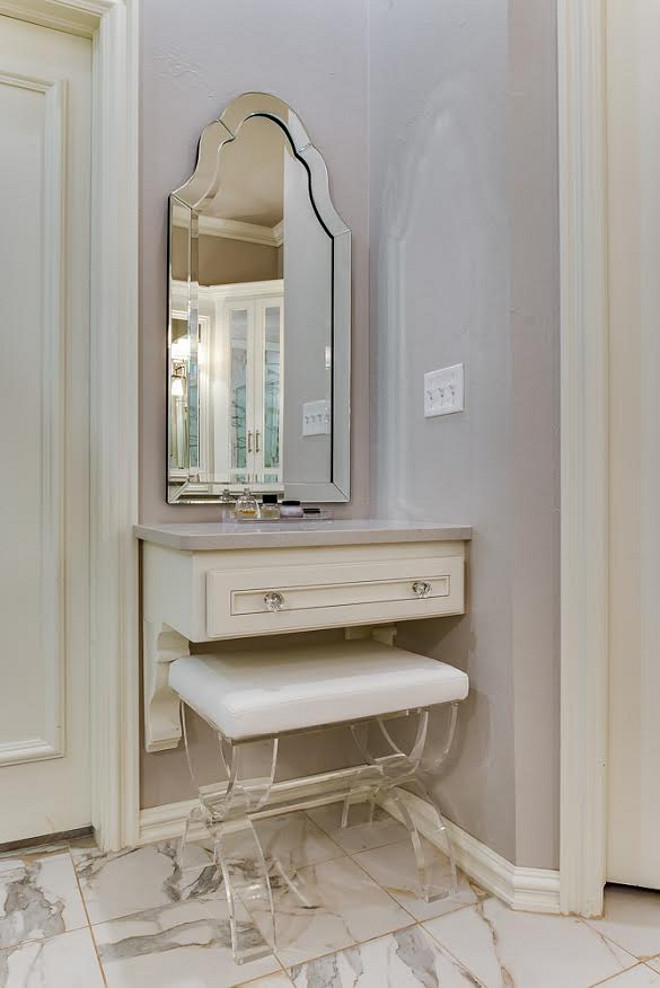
206	542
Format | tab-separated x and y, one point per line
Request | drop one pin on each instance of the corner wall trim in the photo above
584	452
530	889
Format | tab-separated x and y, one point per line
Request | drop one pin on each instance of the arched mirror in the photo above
259	315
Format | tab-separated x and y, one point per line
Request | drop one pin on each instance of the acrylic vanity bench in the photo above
217	582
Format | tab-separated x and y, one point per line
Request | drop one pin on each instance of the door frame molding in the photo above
584	453
113	27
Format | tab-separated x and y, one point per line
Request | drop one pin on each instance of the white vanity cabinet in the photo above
206	582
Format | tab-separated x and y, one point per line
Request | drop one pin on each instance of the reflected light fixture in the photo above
178	379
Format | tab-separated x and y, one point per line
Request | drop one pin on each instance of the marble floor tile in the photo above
394	868
640	976
503	948
632	919
186	945
130	881
39	897
65	961
280	980
405	959
342	906
360	835
654	963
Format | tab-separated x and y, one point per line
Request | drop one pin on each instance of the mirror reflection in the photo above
252	296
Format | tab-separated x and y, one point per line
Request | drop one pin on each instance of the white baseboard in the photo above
166	821
530	889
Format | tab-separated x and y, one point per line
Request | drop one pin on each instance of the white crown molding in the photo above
180	290
79	17
531	889
251	233
584	452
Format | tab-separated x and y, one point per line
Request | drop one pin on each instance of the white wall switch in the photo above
316	418
444	391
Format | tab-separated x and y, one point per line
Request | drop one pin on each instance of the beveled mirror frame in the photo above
203	184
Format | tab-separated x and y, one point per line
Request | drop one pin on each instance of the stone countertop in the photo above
209	536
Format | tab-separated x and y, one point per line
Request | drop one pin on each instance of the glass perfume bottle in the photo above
227	503
269	506
247	508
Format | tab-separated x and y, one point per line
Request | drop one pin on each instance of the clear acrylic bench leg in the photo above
402	771
237	851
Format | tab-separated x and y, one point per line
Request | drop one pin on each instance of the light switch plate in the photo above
444	391
316	418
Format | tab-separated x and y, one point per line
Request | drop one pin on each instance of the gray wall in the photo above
463	232
194	59
459	174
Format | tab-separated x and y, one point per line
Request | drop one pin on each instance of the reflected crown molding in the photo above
251	233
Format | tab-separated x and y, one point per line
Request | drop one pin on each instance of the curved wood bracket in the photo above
162	725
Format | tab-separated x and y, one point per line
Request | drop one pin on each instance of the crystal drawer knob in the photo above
274	601
421	589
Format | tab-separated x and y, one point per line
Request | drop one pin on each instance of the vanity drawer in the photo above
251	602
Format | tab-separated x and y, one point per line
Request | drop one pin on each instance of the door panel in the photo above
269	413
45	85
633	71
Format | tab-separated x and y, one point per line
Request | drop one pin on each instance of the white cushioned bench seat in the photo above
249	694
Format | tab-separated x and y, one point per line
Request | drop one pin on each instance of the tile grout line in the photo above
343	849
384	936
626	970
446	951
610	977
349	946
640	960
615	943
351	856
463	905
89	922
356	943
415	921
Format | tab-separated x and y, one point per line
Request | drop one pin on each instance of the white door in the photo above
45	106
633	74
250	345
268	419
